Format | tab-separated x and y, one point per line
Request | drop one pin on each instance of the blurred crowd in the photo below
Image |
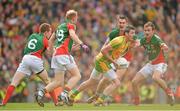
20	18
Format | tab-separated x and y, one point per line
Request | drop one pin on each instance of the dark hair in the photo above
122	17
128	28
150	24
44	27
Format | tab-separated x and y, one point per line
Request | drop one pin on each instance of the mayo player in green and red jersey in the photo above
104	60
156	66
62	60
32	62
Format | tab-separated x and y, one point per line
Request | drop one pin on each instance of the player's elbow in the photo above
103	51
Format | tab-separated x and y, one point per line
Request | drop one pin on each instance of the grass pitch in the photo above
89	107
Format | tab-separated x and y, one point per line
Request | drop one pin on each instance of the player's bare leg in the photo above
18	77
83	86
158	79
102	84
112	87
100	100
58	81
44	77
86	84
75	77
136	82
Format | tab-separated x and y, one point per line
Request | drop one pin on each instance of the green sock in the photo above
103	96
65	91
109	98
75	92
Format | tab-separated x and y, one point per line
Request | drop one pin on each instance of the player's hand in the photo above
137	43
85	48
164	47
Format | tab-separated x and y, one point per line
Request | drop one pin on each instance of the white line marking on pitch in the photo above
90	110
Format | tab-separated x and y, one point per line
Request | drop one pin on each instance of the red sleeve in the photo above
70	26
45	41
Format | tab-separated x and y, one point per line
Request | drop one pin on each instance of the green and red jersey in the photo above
63	43
36	45
115	33
153	49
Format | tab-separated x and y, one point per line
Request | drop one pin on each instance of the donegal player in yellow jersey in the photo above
108	55
125	60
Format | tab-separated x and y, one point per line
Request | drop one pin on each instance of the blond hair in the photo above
70	14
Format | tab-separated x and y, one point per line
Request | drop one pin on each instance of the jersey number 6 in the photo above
32	44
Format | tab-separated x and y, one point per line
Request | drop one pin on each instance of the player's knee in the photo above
156	77
91	82
117	83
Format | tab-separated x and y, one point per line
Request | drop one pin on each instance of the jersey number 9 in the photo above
60	35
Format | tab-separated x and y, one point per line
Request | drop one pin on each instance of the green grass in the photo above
89	107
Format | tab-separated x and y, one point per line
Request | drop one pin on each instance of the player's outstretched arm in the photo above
164	47
51	41
74	37
78	41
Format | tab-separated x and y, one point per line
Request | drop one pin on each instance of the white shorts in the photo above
122	62
30	64
148	69
111	74
63	62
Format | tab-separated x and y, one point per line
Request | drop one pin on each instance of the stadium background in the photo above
19	18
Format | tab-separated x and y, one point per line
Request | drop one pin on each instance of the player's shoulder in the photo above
69	24
34	35
114	31
155	36
119	39
121	36
62	24
66	24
